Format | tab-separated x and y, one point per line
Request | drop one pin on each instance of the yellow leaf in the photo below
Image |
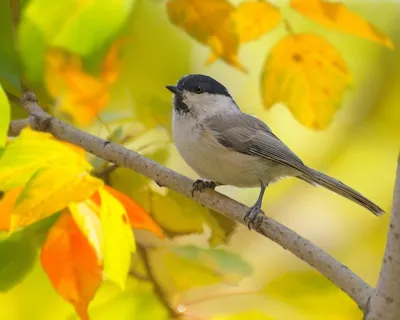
338	17
118	241
255	18
86	216
244	316
209	22
52	189
306	73
32	151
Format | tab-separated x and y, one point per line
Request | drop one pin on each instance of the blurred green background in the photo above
359	148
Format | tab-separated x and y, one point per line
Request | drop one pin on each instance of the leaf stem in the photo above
219	295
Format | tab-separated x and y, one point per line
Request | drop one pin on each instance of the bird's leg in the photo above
252	213
200	185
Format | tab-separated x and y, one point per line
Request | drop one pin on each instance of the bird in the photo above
226	146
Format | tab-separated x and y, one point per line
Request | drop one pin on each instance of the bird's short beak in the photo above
173	89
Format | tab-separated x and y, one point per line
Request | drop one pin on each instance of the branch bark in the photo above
385	301
332	269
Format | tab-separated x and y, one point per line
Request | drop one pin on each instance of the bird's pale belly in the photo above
227	168
212	161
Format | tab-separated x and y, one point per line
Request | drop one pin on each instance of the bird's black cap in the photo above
193	82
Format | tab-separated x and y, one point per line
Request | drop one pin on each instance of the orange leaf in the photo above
337	16
71	264
210	23
6	206
80	94
138	218
112	63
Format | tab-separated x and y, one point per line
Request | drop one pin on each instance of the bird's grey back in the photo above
249	135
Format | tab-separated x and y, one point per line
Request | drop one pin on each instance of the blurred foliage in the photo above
103	66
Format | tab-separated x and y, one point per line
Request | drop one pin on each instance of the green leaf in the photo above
4	116
80	27
18	251
293	284
313	294
244	316
137	302
182	268
229	265
9	69
18	254
31	46
118	242
224	231
180	215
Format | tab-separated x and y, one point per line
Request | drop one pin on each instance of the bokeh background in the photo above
360	148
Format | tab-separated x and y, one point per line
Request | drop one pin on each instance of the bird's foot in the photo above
252	214
200	185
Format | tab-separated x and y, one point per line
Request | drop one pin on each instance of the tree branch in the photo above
332	269
385	301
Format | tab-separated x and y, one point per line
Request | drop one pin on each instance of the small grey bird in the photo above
228	147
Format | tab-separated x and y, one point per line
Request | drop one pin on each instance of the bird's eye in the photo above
198	89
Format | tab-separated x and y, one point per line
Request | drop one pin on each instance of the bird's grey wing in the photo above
249	135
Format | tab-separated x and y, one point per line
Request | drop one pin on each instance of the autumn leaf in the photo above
52	189
308	75
71	264
33	150
86	216
42	175
6	206
210	23
138	218
118	242
254	19
112	62
78	93
338	17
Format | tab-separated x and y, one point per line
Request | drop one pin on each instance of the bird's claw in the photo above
200	185
252	215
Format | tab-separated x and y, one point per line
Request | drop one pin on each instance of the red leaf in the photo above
71	264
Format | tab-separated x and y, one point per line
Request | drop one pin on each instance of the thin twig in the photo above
385	301
332	269
158	290
138	275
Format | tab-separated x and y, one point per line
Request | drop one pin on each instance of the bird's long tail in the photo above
316	177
